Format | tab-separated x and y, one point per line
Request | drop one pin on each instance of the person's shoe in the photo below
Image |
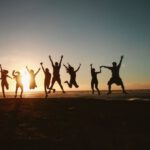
109	93
63	91
49	92
125	92
66	82
54	90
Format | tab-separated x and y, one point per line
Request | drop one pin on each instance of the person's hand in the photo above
62	56
122	57
50	56
41	63
91	65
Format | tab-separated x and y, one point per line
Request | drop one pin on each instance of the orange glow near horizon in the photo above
25	79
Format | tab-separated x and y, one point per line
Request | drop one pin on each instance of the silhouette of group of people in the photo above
48	84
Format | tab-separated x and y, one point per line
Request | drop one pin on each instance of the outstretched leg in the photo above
16	91
69	84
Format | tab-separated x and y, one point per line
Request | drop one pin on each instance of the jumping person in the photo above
32	77
94	81
72	74
56	75
46	80
4	83
115	76
17	76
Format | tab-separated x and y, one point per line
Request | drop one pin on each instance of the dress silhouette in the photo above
4	83
72	74
94	81
46	80
17	76
56	73
115	76
32	77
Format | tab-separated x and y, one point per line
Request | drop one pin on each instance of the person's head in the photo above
114	64
32	71
93	69
46	70
18	73
5	71
71	68
56	63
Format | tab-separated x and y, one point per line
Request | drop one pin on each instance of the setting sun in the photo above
25	79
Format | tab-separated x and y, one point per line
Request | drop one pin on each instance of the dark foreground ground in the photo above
76	123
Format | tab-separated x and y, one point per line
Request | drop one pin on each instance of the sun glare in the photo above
25	79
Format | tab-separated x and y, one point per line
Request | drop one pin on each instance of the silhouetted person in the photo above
32	77
4	83
17	76
115	76
94	81
72	74
56	75
47	79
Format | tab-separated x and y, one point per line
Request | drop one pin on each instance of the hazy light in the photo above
25	79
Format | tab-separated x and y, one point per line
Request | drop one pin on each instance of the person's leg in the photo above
96	86
109	87
53	81
16	91
123	89
3	90
92	87
59	82
69	84
21	91
75	84
45	89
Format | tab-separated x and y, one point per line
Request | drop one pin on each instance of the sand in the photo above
76	120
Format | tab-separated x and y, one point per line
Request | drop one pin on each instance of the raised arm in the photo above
27	69
78	68
42	67
13	73
1	68
99	70
60	60
120	61
91	65
37	72
51	60
65	66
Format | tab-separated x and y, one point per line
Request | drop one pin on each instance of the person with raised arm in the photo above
72	74
115	76
94	81
46	80
17	76
4	82
56	73
32	77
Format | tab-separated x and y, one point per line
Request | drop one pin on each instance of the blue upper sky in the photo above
84	31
